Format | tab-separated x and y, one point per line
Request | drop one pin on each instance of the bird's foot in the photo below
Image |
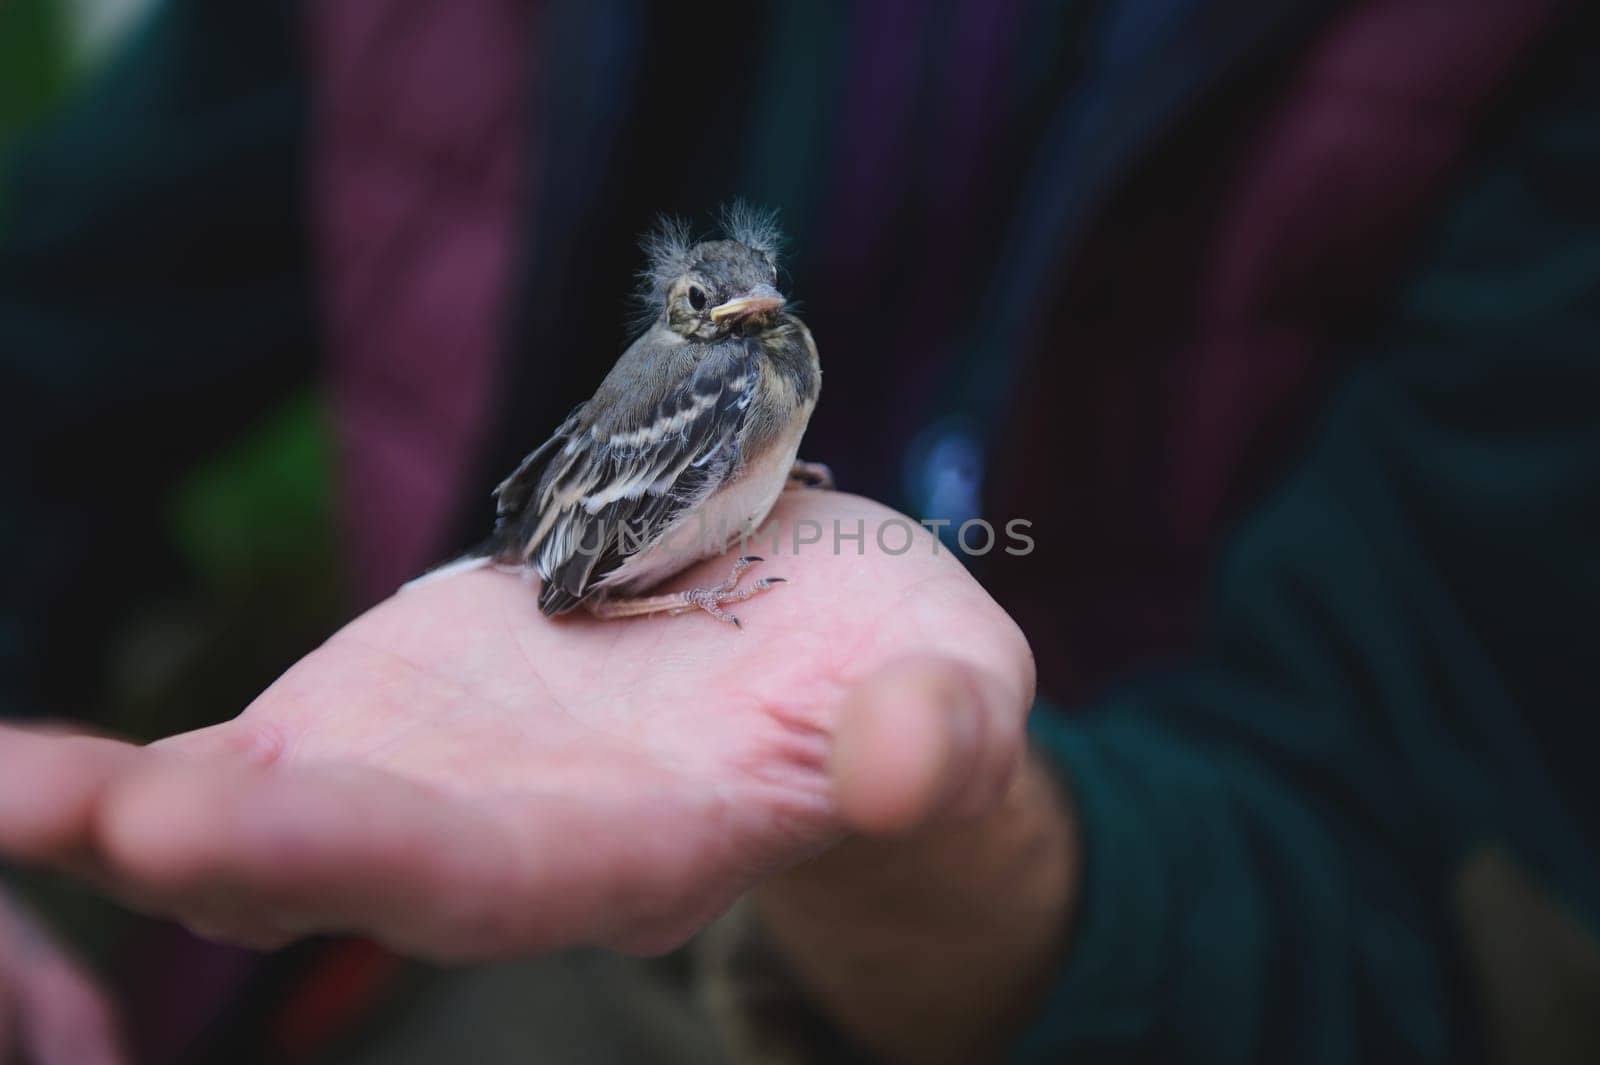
810	475
712	600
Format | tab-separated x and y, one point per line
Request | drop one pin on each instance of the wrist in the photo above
935	944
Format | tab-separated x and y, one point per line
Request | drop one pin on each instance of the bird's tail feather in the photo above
449	569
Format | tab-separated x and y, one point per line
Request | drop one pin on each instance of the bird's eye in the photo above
697	298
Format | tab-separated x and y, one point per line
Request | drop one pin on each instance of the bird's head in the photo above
715	288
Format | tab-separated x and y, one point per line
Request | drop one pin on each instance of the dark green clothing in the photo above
1397	679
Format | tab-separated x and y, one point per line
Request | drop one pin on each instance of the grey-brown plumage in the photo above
691	435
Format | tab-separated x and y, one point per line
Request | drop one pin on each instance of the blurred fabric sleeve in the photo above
1363	826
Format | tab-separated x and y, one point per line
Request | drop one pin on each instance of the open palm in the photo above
460	776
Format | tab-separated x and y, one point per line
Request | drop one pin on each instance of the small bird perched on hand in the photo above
690	438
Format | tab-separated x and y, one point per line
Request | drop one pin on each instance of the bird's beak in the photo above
759	302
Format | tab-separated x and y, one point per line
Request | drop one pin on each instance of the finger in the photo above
50	786
260	856
66	1018
923	738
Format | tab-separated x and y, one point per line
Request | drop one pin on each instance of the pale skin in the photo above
52	1009
462	778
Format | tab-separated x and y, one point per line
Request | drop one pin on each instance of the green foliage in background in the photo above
33	65
263	508
253	520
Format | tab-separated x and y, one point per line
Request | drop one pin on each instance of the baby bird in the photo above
688	441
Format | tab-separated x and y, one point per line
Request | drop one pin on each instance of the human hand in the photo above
459	777
52	1011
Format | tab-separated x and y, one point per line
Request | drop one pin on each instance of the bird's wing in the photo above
513	494
599	488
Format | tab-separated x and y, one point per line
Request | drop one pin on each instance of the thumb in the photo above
924	739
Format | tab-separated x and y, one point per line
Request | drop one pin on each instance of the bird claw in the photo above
713	599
